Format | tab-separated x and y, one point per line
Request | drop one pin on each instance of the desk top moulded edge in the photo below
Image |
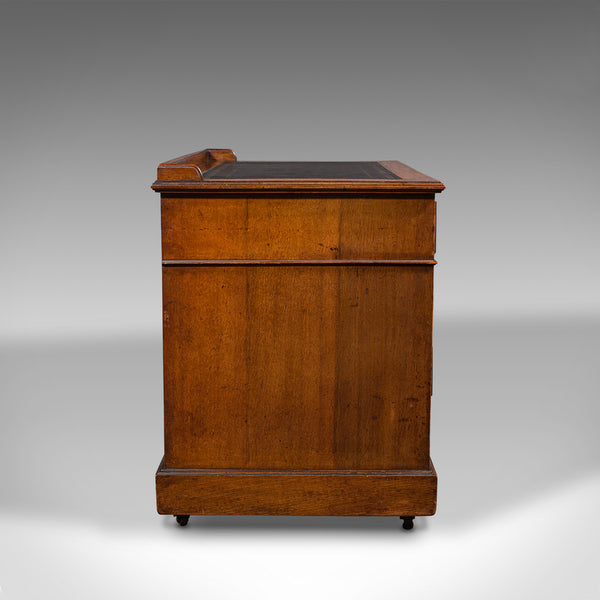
186	174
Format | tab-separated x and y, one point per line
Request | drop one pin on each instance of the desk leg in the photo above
182	520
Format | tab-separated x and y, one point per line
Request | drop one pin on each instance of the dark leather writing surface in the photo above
299	170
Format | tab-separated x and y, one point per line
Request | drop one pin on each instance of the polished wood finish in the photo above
337	351
313	228
297	319
325	492
191	167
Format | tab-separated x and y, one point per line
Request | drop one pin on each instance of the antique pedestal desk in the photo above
297	337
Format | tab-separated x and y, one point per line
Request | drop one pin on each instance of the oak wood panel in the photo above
292	323
203	227
383	368
386	228
297	366
204	336
298	229
290	228
191	167
213	492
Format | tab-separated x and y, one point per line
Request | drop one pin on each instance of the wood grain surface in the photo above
297	366
291	229
344	493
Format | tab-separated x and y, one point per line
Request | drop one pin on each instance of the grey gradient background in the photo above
497	99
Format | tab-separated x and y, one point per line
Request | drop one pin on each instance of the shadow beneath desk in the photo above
272	525
514	415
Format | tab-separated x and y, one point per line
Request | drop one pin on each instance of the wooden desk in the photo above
297	340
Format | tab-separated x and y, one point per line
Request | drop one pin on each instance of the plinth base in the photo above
299	492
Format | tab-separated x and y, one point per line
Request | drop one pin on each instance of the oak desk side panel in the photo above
297	367
290	228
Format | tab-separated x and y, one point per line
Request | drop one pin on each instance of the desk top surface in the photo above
299	170
219	171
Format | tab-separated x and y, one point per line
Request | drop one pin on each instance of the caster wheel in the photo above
407	522
182	520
